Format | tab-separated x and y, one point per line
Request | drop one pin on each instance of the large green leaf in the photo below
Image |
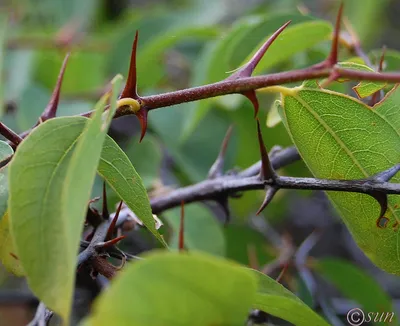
171	288
355	284
49	189
340	137
201	230
276	300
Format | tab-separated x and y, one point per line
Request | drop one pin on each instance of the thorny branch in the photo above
219	186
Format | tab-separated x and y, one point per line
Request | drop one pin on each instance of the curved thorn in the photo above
382	199
130	89
51	108
105	212
142	116
114	221
181	244
271	191
267	171
217	167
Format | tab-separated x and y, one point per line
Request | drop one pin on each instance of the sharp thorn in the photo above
386	175
10	134
51	109
142	116
382	199
249	67
216	169
112	242
181	244
271	191
114	221
333	55
284	269
267	171
105	214
382	59
130	89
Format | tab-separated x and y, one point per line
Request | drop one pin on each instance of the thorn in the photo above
267	172
382	199
382	59
112	242
142	116
332	59
332	77
114	221
223	203
280	276
217	167
252	257
249	67
271	191
130	89
181	244
333	55
386	175
105	212
377	96
9	134
51	109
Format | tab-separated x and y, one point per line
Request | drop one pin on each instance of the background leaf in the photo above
201	229
274	299
356	284
178	289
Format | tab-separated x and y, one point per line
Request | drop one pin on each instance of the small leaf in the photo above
118	171
8	255
276	300
355	284
202	231
340	137
364	88
173	289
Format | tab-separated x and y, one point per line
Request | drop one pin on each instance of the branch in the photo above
228	185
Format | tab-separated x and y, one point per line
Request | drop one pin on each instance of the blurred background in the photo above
185	43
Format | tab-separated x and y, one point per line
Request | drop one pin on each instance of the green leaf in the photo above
276	300
273	117
8	256
50	187
364	88
201	230
355	284
118	171
5	152
36	177
175	289
150	67
340	137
